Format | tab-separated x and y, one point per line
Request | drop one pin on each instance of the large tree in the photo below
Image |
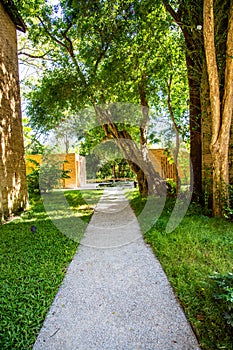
221	103
99	53
188	14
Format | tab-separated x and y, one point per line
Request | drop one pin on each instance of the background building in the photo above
13	187
71	162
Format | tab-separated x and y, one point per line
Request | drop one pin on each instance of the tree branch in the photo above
69	48
68	28
50	34
33	56
175	15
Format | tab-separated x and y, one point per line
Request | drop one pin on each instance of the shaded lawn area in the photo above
33	265
196	249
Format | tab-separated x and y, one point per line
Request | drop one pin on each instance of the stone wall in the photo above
13	188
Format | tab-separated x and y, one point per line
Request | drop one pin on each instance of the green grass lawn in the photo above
196	249
33	265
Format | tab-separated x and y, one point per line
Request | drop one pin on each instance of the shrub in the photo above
46	176
223	290
171	187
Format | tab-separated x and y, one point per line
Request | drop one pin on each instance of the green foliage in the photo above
92	139
228	206
103	156
171	187
223	291
99	54
46	176
189	255
117	168
95	56
32	144
33	178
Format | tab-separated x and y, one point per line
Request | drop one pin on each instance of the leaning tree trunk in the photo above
221	111
149	177
143	186
149	180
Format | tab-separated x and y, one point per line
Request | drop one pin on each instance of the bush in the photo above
46	176
223	290
171	187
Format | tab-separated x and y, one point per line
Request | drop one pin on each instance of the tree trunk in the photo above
66	137
141	179
114	171
176	128
142	184
221	111
206	134
151	176
195	139
220	94
195	114
149	180
194	50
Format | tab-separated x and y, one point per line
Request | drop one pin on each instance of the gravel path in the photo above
115	295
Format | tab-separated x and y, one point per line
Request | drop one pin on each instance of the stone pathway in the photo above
115	295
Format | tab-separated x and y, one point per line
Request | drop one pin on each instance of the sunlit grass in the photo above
197	248
33	266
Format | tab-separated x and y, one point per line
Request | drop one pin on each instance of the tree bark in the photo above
194	49
221	111
195	132
151	177
176	128
206	134
149	180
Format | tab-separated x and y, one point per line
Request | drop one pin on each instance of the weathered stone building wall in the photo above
13	188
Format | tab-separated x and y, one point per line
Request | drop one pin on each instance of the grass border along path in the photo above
196	249
33	266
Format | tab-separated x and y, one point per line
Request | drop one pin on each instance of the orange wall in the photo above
75	164
160	162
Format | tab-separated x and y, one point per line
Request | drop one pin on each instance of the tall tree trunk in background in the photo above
152	177
195	130
221	110
114	171
176	128
185	19
206	134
